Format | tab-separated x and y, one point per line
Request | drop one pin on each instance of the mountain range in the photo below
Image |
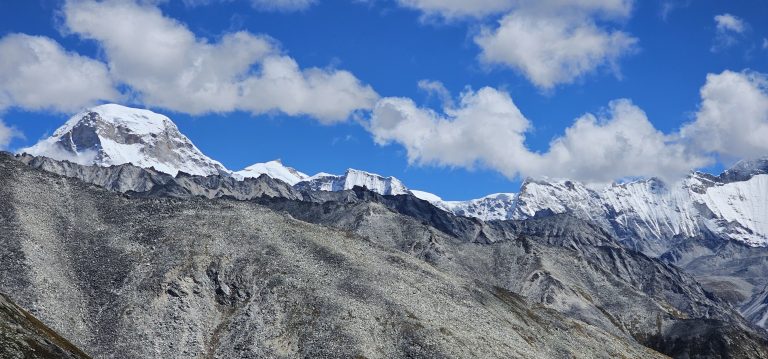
644	213
177	246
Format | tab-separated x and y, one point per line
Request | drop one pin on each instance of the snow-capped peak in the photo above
497	206
351	178
274	169
112	134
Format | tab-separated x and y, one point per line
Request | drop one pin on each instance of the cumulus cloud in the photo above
552	50
167	66
487	129
550	42
728	27
732	120
36	73
7	133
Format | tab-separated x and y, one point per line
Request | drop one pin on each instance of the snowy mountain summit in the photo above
112	134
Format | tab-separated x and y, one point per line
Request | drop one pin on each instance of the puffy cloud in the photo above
727	28
621	143
550	42
327	95
552	50
167	66
487	129
7	133
36	73
732	120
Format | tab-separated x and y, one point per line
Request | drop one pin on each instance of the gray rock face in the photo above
23	336
733	271
128	178
559	262
132	277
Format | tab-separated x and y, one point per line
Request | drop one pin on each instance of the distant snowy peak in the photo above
648	213
274	169
745	170
498	206
113	135
350	179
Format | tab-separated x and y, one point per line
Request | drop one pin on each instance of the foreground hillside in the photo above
162	271
136	278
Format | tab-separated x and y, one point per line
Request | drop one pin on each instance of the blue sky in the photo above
669	48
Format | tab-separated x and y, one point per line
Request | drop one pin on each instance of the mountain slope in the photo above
129	277
127	178
111	134
559	262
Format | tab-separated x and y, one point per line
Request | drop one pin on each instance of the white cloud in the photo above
167	66
727	28
765	43
730	23
36	73
452	9
550	42
7	133
552	50
456	9
732	120
487	129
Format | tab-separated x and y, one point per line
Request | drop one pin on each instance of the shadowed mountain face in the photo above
393	276
132	277
23	336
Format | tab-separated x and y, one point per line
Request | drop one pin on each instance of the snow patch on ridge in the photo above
350	179
274	169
